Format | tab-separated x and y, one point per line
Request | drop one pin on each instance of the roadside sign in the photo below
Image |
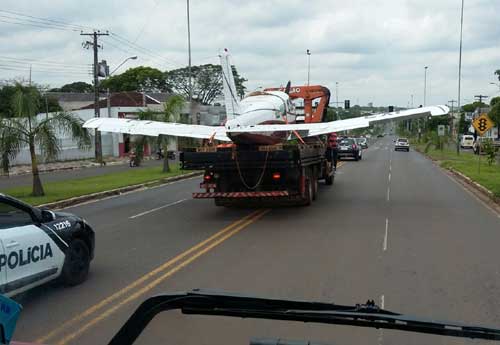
441	130
482	124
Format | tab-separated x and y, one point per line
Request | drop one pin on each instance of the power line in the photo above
35	25
37	22
126	51
26	69
44	19
47	20
141	49
43	63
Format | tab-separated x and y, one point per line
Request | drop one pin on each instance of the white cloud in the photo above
376	50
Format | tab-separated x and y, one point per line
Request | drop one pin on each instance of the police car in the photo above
38	245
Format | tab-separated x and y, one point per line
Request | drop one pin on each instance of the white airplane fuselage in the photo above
261	108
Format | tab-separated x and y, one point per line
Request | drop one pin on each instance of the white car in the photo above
38	245
402	144
467	141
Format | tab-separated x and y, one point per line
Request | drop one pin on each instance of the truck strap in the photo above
276	193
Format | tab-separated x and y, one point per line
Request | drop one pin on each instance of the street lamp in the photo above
308	52
107	90
425	84
120	65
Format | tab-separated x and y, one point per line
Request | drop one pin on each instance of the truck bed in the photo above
256	175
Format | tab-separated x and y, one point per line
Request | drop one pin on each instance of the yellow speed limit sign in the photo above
482	124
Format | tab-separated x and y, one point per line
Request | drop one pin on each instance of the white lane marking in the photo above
384	245
382	301
388	193
157	208
389	177
127	193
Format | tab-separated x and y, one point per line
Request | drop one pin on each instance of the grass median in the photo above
61	190
467	163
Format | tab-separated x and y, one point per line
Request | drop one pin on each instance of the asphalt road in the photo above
393	228
66	175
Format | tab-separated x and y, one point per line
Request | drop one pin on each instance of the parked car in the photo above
478	146
39	245
402	144
349	148
467	141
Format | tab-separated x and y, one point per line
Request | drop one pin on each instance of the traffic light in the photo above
391	108
347	104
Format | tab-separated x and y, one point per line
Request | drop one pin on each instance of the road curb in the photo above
104	194
474	184
481	192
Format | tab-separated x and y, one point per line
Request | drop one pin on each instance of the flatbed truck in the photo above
260	175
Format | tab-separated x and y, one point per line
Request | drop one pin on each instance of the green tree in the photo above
494	115
471	107
206	82
25	128
497	73
171	113
494	101
6	95
137	79
77	86
45	103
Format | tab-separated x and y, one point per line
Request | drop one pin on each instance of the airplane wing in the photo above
313	129
156	128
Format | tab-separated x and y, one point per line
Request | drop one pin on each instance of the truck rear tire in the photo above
329	180
307	198
314	180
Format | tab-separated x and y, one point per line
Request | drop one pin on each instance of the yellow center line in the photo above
160	279
95	308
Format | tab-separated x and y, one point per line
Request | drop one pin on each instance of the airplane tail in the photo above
230	94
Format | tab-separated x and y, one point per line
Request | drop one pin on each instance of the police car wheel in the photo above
76	264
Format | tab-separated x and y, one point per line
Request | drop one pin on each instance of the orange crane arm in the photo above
309	94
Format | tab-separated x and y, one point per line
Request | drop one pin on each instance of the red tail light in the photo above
207	177
354	146
276	176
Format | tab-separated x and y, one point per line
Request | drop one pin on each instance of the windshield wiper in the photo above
202	302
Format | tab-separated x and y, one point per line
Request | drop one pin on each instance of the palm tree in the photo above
171	113
25	128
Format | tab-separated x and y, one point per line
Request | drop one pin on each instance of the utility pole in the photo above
425	84
189	64
460	71
452	104
308	65
337	93
480	98
451	114
97	112
412	101
30	75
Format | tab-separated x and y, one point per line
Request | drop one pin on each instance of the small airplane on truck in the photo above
272	157
261	118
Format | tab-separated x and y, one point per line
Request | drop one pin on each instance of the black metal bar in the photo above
369	315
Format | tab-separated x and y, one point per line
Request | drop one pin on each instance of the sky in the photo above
375	50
